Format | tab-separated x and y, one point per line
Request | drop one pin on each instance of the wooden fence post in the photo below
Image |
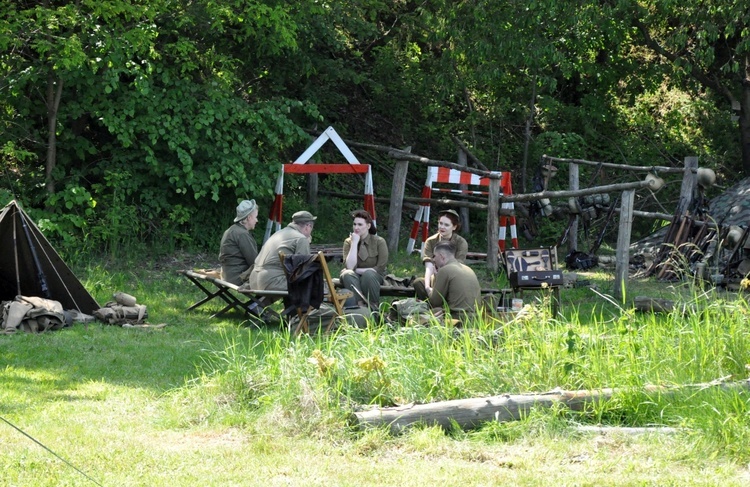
396	207
573	182
622	255
689	184
312	190
493	205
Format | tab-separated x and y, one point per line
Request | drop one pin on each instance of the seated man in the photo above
238	248
268	273
456	285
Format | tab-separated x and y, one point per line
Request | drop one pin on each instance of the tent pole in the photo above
15	253
40	272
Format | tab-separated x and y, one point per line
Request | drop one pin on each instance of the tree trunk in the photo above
745	123
527	135
54	93
464	220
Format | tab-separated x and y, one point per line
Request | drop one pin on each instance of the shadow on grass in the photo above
51	366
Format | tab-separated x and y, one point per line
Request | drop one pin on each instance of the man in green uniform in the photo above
238	249
268	273
456	285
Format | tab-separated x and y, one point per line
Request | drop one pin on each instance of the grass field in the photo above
215	402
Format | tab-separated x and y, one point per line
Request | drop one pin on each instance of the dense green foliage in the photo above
145	121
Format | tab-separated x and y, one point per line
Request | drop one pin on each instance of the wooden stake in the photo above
623	245
493	203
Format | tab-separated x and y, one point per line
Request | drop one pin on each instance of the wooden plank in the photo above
573	183
493	204
326	168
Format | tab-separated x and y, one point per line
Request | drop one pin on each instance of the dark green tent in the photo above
30	266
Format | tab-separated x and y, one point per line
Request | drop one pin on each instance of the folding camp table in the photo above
234	296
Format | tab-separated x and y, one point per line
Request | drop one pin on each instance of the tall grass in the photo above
277	391
319	380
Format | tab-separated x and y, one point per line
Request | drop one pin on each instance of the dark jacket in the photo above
304	281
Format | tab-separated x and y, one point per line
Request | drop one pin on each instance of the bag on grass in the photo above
114	313
32	314
410	310
316	319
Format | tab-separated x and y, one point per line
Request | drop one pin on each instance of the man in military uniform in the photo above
456	286
268	273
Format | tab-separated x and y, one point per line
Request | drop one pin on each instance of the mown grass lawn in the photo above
213	402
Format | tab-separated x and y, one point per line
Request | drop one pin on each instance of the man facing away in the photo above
456	286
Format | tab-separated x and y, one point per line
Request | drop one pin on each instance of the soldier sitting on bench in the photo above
456	285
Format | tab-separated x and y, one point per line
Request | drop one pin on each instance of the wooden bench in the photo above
239	298
235	297
400	291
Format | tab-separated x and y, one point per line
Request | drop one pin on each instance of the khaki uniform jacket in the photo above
268	272
372	253
237	253
462	247
457	286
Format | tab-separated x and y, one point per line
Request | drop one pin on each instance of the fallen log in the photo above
622	430
653	305
472	413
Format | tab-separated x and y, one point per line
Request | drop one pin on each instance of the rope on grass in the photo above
49	450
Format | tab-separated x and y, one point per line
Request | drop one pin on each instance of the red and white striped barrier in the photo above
444	175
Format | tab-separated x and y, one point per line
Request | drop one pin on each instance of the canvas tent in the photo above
30	266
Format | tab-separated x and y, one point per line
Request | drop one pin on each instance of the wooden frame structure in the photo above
445	176
300	166
335	296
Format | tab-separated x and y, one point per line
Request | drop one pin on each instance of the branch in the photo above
471	156
699	75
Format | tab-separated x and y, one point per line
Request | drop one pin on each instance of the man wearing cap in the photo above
449	224
268	272
238	249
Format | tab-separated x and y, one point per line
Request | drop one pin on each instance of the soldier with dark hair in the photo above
365	258
456	286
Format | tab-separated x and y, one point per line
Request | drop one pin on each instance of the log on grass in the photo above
472	413
653	305
623	430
